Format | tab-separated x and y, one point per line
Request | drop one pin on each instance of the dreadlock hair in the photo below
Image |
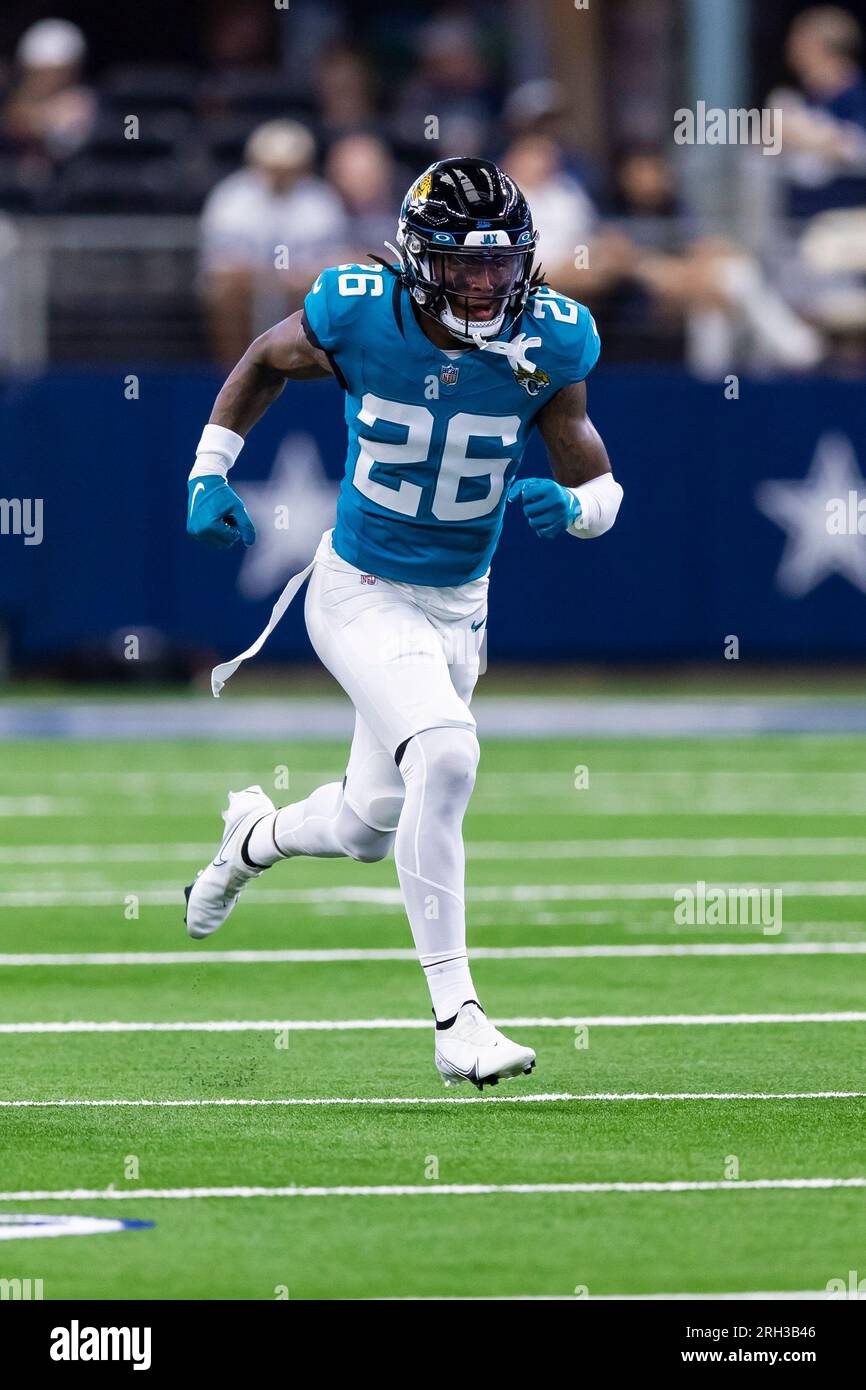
380	260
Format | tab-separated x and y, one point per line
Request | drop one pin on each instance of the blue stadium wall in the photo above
693	558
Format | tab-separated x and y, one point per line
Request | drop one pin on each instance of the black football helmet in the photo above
466	242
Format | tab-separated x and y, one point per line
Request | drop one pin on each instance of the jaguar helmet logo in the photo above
421	191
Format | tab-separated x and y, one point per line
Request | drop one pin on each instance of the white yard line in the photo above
40	806
520	1099
635	848
338	955
640	848
90	1194
522	778
94	853
354	1025
112	780
170	894
811	1294
782	804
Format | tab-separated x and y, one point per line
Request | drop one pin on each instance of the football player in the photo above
448	356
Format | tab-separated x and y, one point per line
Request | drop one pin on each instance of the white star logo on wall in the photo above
815	547
290	511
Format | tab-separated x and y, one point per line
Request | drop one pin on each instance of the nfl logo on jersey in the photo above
448	374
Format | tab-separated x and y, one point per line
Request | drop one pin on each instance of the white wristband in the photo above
599	503
217	451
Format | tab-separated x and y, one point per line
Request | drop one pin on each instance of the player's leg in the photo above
438	766
393	662
355	818
441	771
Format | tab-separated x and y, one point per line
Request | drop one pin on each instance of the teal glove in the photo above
549	508
216	515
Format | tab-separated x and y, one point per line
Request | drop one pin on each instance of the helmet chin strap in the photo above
469	330
397	253
515	350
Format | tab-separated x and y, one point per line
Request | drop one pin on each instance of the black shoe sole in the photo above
186	892
494	1080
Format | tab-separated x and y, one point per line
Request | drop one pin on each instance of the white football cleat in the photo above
217	888
473	1050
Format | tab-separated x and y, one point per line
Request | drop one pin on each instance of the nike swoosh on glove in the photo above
549	508
216	515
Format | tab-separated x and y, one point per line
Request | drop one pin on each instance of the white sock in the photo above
438	768
449	982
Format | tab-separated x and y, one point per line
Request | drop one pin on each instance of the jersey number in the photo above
564	310
359	279
455	464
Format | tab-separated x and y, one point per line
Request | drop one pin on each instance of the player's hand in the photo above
216	515
549	508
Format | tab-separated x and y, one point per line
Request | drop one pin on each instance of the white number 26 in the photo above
456	462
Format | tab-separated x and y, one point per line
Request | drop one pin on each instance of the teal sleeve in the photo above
321	321
590	347
570	340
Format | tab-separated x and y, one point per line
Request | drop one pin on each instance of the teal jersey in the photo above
434	440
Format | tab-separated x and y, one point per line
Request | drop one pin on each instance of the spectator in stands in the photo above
266	231
343	92
642	202
727	305
579	256
451	84
563	212
537	107
732	311
361	170
822	170
824	125
240	35
645	186
49	111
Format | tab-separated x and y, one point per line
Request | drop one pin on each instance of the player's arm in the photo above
584	498
283	354
215	513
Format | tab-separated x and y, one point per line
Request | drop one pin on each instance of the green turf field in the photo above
571	908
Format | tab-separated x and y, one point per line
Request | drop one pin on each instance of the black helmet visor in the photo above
482	275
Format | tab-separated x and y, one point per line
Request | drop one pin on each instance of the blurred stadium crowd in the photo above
215	189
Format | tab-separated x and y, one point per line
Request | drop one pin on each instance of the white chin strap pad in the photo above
477	328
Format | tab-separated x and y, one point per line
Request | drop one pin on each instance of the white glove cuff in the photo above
217	451
599	503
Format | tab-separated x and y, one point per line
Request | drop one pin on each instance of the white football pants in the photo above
408	658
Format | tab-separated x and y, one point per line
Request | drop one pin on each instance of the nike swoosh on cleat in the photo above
245	847
471	1075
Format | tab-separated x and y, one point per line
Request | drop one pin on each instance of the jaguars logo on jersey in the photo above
532	382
